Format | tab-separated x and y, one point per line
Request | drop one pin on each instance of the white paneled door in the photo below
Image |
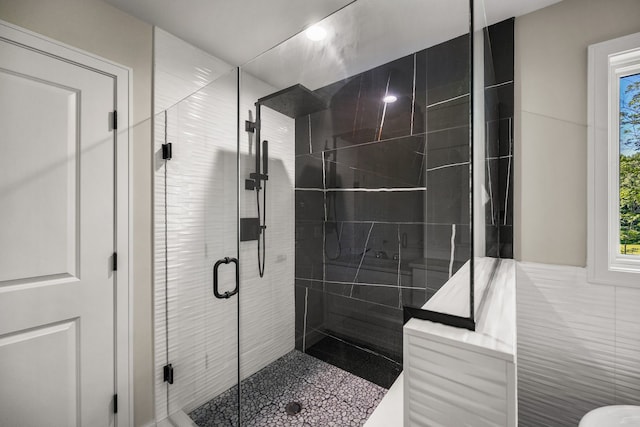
57	240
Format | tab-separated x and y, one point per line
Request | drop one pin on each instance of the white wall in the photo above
578	343
199	93
99	28
551	123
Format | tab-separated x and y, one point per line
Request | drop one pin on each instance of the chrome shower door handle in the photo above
227	294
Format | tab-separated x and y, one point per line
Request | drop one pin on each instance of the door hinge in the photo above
115	403
114	119
114	259
167	151
168	373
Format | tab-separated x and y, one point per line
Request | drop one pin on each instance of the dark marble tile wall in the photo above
499	72
349	238
382	194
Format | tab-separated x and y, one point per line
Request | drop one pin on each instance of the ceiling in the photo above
233	30
237	31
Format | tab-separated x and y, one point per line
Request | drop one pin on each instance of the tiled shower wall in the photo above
382	190
198	93
498	79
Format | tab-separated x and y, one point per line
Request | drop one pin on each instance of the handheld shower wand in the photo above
262	229
255	182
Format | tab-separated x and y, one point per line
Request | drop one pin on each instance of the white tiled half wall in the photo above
197	94
578	345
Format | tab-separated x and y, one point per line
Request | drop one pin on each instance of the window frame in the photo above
608	62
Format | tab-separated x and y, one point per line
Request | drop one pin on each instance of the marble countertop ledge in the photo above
495	333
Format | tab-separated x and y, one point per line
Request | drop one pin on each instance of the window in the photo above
629	167
614	162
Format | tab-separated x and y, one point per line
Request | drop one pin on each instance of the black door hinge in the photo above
115	403
114	120
167	151
115	261
168	373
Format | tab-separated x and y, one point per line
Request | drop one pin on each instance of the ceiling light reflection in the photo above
316	33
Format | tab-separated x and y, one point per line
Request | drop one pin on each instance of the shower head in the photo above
294	101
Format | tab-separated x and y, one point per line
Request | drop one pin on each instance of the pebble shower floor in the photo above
329	396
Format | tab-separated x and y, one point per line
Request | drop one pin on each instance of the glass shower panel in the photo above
199	207
338	174
483	172
493	146
365	179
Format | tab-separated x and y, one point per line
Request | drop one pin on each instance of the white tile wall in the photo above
455	377
181	69
450	385
202	225
578	345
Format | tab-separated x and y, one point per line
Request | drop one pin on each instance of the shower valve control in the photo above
249	184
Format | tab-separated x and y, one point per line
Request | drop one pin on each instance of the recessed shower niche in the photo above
363	199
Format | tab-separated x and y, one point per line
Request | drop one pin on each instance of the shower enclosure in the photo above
309	202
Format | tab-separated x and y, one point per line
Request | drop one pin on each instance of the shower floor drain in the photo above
293	408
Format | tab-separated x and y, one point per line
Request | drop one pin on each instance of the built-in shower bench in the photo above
454	376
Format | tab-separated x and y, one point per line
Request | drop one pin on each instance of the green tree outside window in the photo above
630	164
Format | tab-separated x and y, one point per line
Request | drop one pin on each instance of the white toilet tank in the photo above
612	416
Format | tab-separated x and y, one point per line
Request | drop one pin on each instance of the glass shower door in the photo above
329	183
197	288
357	146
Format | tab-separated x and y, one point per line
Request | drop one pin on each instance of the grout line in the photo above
310	145
364	190
399	262
324	185
498	85
546	116
413	97
447	166
375	285
435	104
392	139
370	172
369	221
